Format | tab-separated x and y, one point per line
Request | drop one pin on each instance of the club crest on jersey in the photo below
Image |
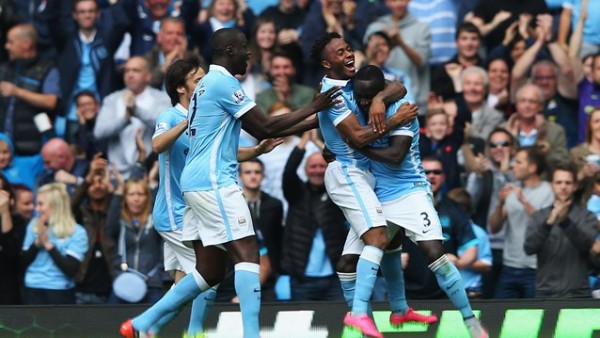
238	96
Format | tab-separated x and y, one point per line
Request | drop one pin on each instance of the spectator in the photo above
472	275
24	206
484	184
221	14
128	110
12	233
501	14
377	53
129	224
572	11
263	40
498	89
412	41
42	15
315	230
61	165
589	96
441	16
89	204
420	281
561	237
267	213
443	143
474	85
171	44
586	155
444	78
85	59
275	161
289	18
529	127
29	91
144	20
19	170
557	80
87	112
517	203
282	76
53	249
8	18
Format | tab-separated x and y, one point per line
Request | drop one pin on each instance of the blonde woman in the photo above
138	245
53	248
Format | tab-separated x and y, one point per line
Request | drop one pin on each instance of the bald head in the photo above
21	41
57	155
225	37
230	50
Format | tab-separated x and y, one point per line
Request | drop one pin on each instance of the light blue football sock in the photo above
366	274
200	307
247	287
348	284
164	320
188	288
450	282
391	266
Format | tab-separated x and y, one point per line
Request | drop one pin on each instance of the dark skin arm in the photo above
262	126
360	136
394	154
392	92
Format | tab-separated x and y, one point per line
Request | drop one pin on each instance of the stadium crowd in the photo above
509	105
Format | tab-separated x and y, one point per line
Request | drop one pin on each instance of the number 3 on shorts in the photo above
426	220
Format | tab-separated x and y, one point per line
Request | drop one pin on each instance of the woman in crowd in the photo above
587	155
262	43
129	215
499	80
11	239
53	249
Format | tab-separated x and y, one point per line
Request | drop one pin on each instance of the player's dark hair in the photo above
177	74
371	76
223	38
316	52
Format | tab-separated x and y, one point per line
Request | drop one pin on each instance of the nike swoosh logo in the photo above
426	231
257	290
374	269
450	286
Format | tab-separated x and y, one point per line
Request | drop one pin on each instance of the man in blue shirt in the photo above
217	216
401	181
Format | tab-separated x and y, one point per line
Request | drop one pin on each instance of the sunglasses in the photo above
499	144
434	172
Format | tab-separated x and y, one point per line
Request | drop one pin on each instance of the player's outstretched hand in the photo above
406	113
325	99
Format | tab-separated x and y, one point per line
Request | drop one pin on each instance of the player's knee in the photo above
347	263
376	237
213	275
433	250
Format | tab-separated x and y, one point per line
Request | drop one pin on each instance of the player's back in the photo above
169	205
344	105
214	131
394	180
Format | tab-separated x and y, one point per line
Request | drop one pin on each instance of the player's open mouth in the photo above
350	65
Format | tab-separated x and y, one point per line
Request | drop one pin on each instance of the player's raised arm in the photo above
261	126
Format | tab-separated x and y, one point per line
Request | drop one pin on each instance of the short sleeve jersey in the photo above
43	273
344	105
395	180
169	205
214	131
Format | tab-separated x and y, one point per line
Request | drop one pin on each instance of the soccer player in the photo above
405	194
348	181
217	216
170	142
